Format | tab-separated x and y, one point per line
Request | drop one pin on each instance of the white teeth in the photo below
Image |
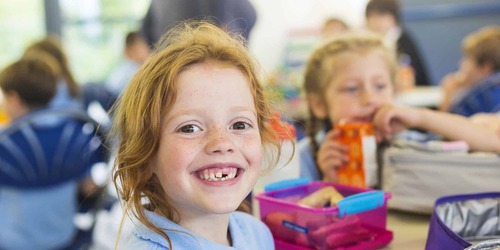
217	175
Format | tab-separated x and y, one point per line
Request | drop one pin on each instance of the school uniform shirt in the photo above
483	97
247	233
63	99
308	167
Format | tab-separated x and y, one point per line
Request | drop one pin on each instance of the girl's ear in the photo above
14	104
317	106
487	68
14	99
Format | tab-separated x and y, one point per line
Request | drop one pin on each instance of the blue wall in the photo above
439	27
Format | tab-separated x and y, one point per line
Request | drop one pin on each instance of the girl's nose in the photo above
367	97
219	142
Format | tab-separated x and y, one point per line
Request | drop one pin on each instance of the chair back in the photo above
49	147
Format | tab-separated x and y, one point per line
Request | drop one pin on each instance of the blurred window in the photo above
21	22
93	33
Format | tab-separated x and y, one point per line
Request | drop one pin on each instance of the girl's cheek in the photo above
383	101
387	98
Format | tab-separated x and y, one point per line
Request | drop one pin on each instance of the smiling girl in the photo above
191	127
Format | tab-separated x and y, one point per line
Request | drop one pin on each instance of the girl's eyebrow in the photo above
202	111
184	112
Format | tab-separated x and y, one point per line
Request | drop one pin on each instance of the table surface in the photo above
409	230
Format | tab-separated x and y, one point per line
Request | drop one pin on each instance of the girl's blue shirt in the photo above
308	167
247	233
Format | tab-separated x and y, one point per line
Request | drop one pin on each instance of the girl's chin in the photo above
223	209
223	206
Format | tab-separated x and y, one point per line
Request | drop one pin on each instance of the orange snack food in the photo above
361	168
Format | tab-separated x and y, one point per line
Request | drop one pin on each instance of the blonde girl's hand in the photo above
331	155
391	119
451	84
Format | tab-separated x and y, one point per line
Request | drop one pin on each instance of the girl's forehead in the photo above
347	58
359	53
357	63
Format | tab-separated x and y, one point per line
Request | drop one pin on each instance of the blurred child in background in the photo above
29	84
136	52
347	78
351	78
68	94
384	18
191	127
333	26
28	220
475	87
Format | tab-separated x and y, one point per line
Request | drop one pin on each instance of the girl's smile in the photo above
220	174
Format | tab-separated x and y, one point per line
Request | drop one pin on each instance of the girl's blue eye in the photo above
240	126
351	89
189	129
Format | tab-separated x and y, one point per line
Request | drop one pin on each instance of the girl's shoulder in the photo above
248	232
245	220
138	242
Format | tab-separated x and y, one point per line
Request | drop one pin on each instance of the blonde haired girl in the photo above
346	79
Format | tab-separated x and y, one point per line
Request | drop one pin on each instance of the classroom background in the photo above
93	34
93	30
